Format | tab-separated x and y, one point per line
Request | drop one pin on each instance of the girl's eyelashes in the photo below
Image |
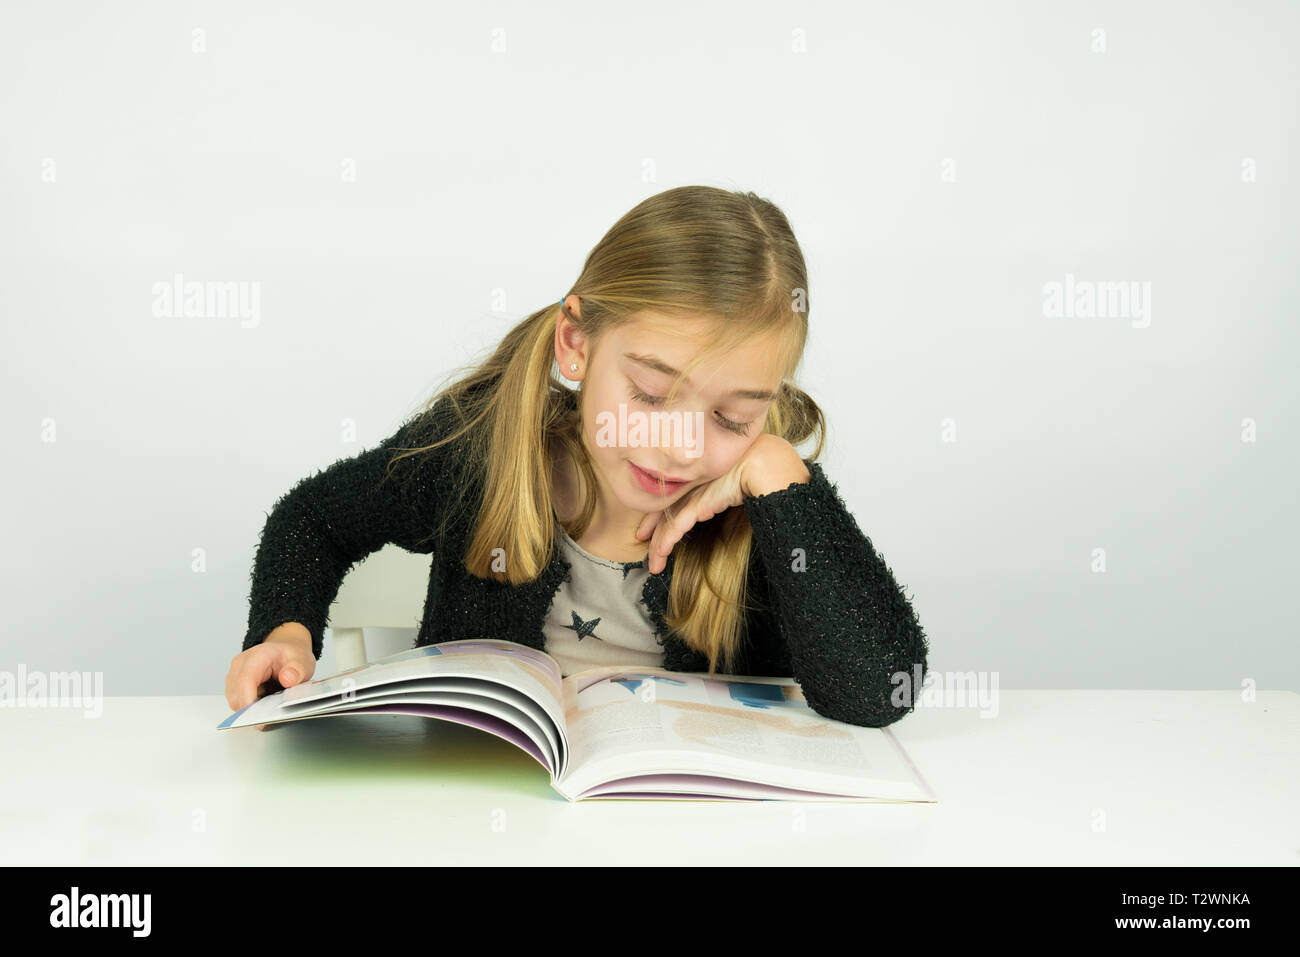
740	428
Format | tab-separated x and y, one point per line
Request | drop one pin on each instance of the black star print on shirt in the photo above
584	628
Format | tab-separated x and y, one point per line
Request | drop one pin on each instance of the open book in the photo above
618	732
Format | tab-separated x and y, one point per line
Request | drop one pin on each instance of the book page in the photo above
505	669
427	660
493	699
643	720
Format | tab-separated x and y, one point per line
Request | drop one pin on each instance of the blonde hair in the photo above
727	258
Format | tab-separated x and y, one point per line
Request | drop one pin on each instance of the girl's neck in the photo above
611	534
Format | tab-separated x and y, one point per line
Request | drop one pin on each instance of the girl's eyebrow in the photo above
654	362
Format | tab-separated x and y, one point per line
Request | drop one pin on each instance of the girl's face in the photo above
711	424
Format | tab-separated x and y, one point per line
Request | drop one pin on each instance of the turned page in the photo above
524	678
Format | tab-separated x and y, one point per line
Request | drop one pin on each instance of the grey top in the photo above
598	617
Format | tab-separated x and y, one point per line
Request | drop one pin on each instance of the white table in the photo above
1058	777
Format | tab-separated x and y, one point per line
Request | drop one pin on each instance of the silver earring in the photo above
573	367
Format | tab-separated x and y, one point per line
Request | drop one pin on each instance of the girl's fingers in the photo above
701	505
667	534
647	525
655	543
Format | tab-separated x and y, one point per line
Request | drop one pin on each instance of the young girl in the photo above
657	514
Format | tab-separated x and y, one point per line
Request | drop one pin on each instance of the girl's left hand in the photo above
771	464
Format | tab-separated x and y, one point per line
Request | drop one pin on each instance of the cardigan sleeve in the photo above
330	520
827	609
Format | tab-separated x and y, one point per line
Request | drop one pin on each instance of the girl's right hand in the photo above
283	659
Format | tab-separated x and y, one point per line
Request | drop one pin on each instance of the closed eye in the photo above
739	428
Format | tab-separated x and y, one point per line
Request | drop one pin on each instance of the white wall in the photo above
483	178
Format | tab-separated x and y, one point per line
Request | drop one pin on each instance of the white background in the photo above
493	146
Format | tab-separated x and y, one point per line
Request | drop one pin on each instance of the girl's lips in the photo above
651	484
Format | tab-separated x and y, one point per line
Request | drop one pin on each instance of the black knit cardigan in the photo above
828	610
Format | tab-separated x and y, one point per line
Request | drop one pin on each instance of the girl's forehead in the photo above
749	366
